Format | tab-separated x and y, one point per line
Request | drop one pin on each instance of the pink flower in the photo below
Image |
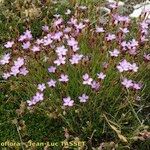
58	22
144	25
125	19
133	67
52	69
14	70
5	59
127	83
60	60
39	96
146	10
83	98
68	102
124	45
134	43
51	83
75	48
113	5
58	36
67	30
80	26
86	76
45	28
137	86
22	38
129	46
28	34
105	65
23	71
95	85
86	20
147	57
110	37
41	87
143	39
47	41
63	78
35	48
35	99
39	41
9	44
76	58
66	36
61	51
123	66
114	53
133	51
26	45
30	103
87	79
100	30
124	30
19	62
72	21
6	75
101	76
144	32
72	42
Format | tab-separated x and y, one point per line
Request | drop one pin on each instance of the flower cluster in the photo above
61	45
5	59
87	80
131	84
35	99
126	66
68	102
17	68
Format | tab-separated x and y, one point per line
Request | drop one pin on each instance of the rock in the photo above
140	8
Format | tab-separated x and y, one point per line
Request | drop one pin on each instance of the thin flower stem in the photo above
135	114
20	136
